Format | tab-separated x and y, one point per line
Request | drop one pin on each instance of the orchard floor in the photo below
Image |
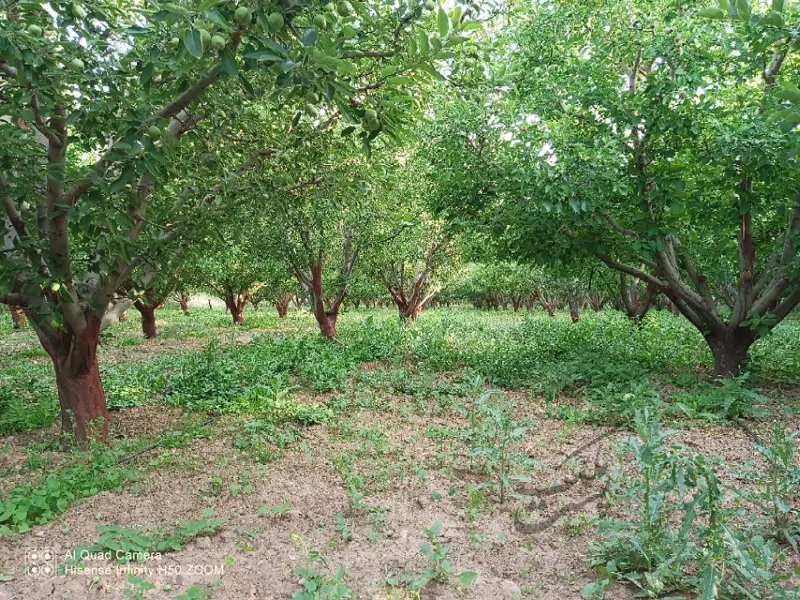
361	487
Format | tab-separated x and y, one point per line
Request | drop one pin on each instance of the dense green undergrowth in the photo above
597	361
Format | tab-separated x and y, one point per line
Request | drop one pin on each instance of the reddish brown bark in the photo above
17	317
235	305
326	319
184	306
282	306
84	413
148	313
549	304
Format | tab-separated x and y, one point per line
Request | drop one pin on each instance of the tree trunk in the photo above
236	307
282	306
730	348
84	413
148	313
184	306
409	313
574	313
516	303
17	317
327	323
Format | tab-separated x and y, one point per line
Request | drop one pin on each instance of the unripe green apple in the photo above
320	22
78	11
76	64
217	42
344	8
242	16
205	37
54	287
34	31
154	133
275	21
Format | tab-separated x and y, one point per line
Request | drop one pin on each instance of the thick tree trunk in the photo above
327	323
409	313
516	302
729	348
148	313
17	317
84	413
282	306
236	308
184	306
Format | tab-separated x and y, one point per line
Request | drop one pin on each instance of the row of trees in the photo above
566	154
116	116
655	139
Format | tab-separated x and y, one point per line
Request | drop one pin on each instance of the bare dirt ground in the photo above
409	484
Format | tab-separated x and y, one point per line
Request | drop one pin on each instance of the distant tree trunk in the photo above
184	306
148	312
235	303
597	302
575	311
549	304
326	319
516	303
209	304
530	301
17	317
635	306
356	303
282	306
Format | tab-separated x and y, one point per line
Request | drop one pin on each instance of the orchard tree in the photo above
660	141
102	104
412	255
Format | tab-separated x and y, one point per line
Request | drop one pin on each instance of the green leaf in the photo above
193	42
712	12
743	9
399	80
467	578
443	23
264	55
310	37
229	62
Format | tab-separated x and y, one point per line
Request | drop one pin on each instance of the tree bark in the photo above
235	305
17	317
729	348
282	306
574	312
184	306
148	313
84	413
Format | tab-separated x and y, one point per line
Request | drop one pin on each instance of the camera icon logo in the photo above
41	562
